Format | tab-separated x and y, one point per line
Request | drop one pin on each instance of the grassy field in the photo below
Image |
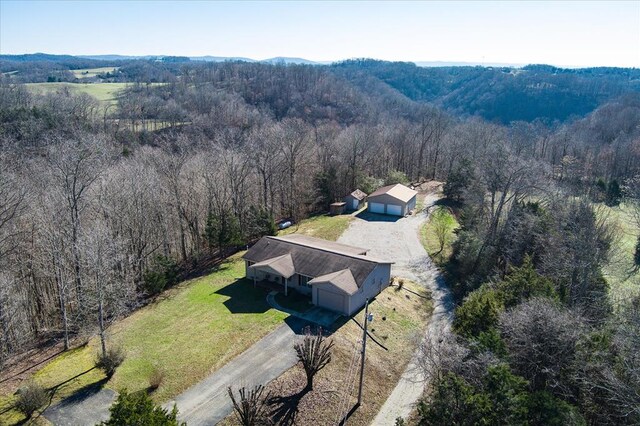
106	93
322	226
193	330
429	238
619	271
399	317
92	72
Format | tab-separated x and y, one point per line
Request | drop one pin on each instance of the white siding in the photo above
395	210
377	280
376	207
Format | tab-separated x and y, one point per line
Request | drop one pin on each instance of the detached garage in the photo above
394	200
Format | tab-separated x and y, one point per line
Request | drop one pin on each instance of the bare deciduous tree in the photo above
314	353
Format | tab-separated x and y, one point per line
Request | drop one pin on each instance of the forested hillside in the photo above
502	95
103	205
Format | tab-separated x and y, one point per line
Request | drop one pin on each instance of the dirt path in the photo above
399	240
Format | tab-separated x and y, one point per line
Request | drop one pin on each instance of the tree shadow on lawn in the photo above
244	298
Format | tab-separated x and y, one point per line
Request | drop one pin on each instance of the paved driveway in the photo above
85	408
399	241
207	402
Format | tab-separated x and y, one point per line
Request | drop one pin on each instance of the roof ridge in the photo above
355	256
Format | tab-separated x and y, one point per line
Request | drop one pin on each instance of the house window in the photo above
304	281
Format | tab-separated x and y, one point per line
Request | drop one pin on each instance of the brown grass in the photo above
406	315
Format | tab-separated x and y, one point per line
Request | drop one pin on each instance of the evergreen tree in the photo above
135	409
614	194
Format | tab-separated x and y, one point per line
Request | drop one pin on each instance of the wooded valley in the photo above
103	205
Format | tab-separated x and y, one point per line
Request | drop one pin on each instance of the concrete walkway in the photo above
207	402
399	241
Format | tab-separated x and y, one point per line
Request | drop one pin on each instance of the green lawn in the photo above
104	92
430	241
322	226
619	271
92	72
193	330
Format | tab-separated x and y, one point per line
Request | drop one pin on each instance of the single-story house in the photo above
355	200
396	200
336	276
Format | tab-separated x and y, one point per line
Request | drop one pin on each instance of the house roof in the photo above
398	191
327	245
358	195
314	257
343	280
282	265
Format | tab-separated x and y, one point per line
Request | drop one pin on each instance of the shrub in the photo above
155	379
249	407
111	360
138	409
163	274
31	398
479	312
396	176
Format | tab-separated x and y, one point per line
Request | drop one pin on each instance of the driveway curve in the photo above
399	241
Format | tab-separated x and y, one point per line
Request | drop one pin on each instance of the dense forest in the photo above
102	207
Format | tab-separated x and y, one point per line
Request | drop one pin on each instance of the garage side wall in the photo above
377	281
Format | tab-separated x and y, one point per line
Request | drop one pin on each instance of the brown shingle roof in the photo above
281	265
342	280
358	195
306	240
398	191
313	261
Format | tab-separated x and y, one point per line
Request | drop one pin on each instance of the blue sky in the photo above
559	33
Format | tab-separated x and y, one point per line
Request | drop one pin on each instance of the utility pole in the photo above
364	349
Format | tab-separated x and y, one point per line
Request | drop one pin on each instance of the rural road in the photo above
399	240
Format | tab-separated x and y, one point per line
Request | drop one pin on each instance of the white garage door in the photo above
376	207
332	301
394	209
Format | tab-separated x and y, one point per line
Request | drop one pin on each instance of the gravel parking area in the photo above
398	240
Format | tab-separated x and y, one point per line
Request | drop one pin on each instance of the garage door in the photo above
394	209
376	207
355	205
332	301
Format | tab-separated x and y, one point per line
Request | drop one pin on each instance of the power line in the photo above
348	381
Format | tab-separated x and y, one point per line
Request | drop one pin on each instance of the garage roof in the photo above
398	191
342	280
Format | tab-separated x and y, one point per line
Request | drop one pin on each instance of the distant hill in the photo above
467	64
501	94
495	92
289	61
